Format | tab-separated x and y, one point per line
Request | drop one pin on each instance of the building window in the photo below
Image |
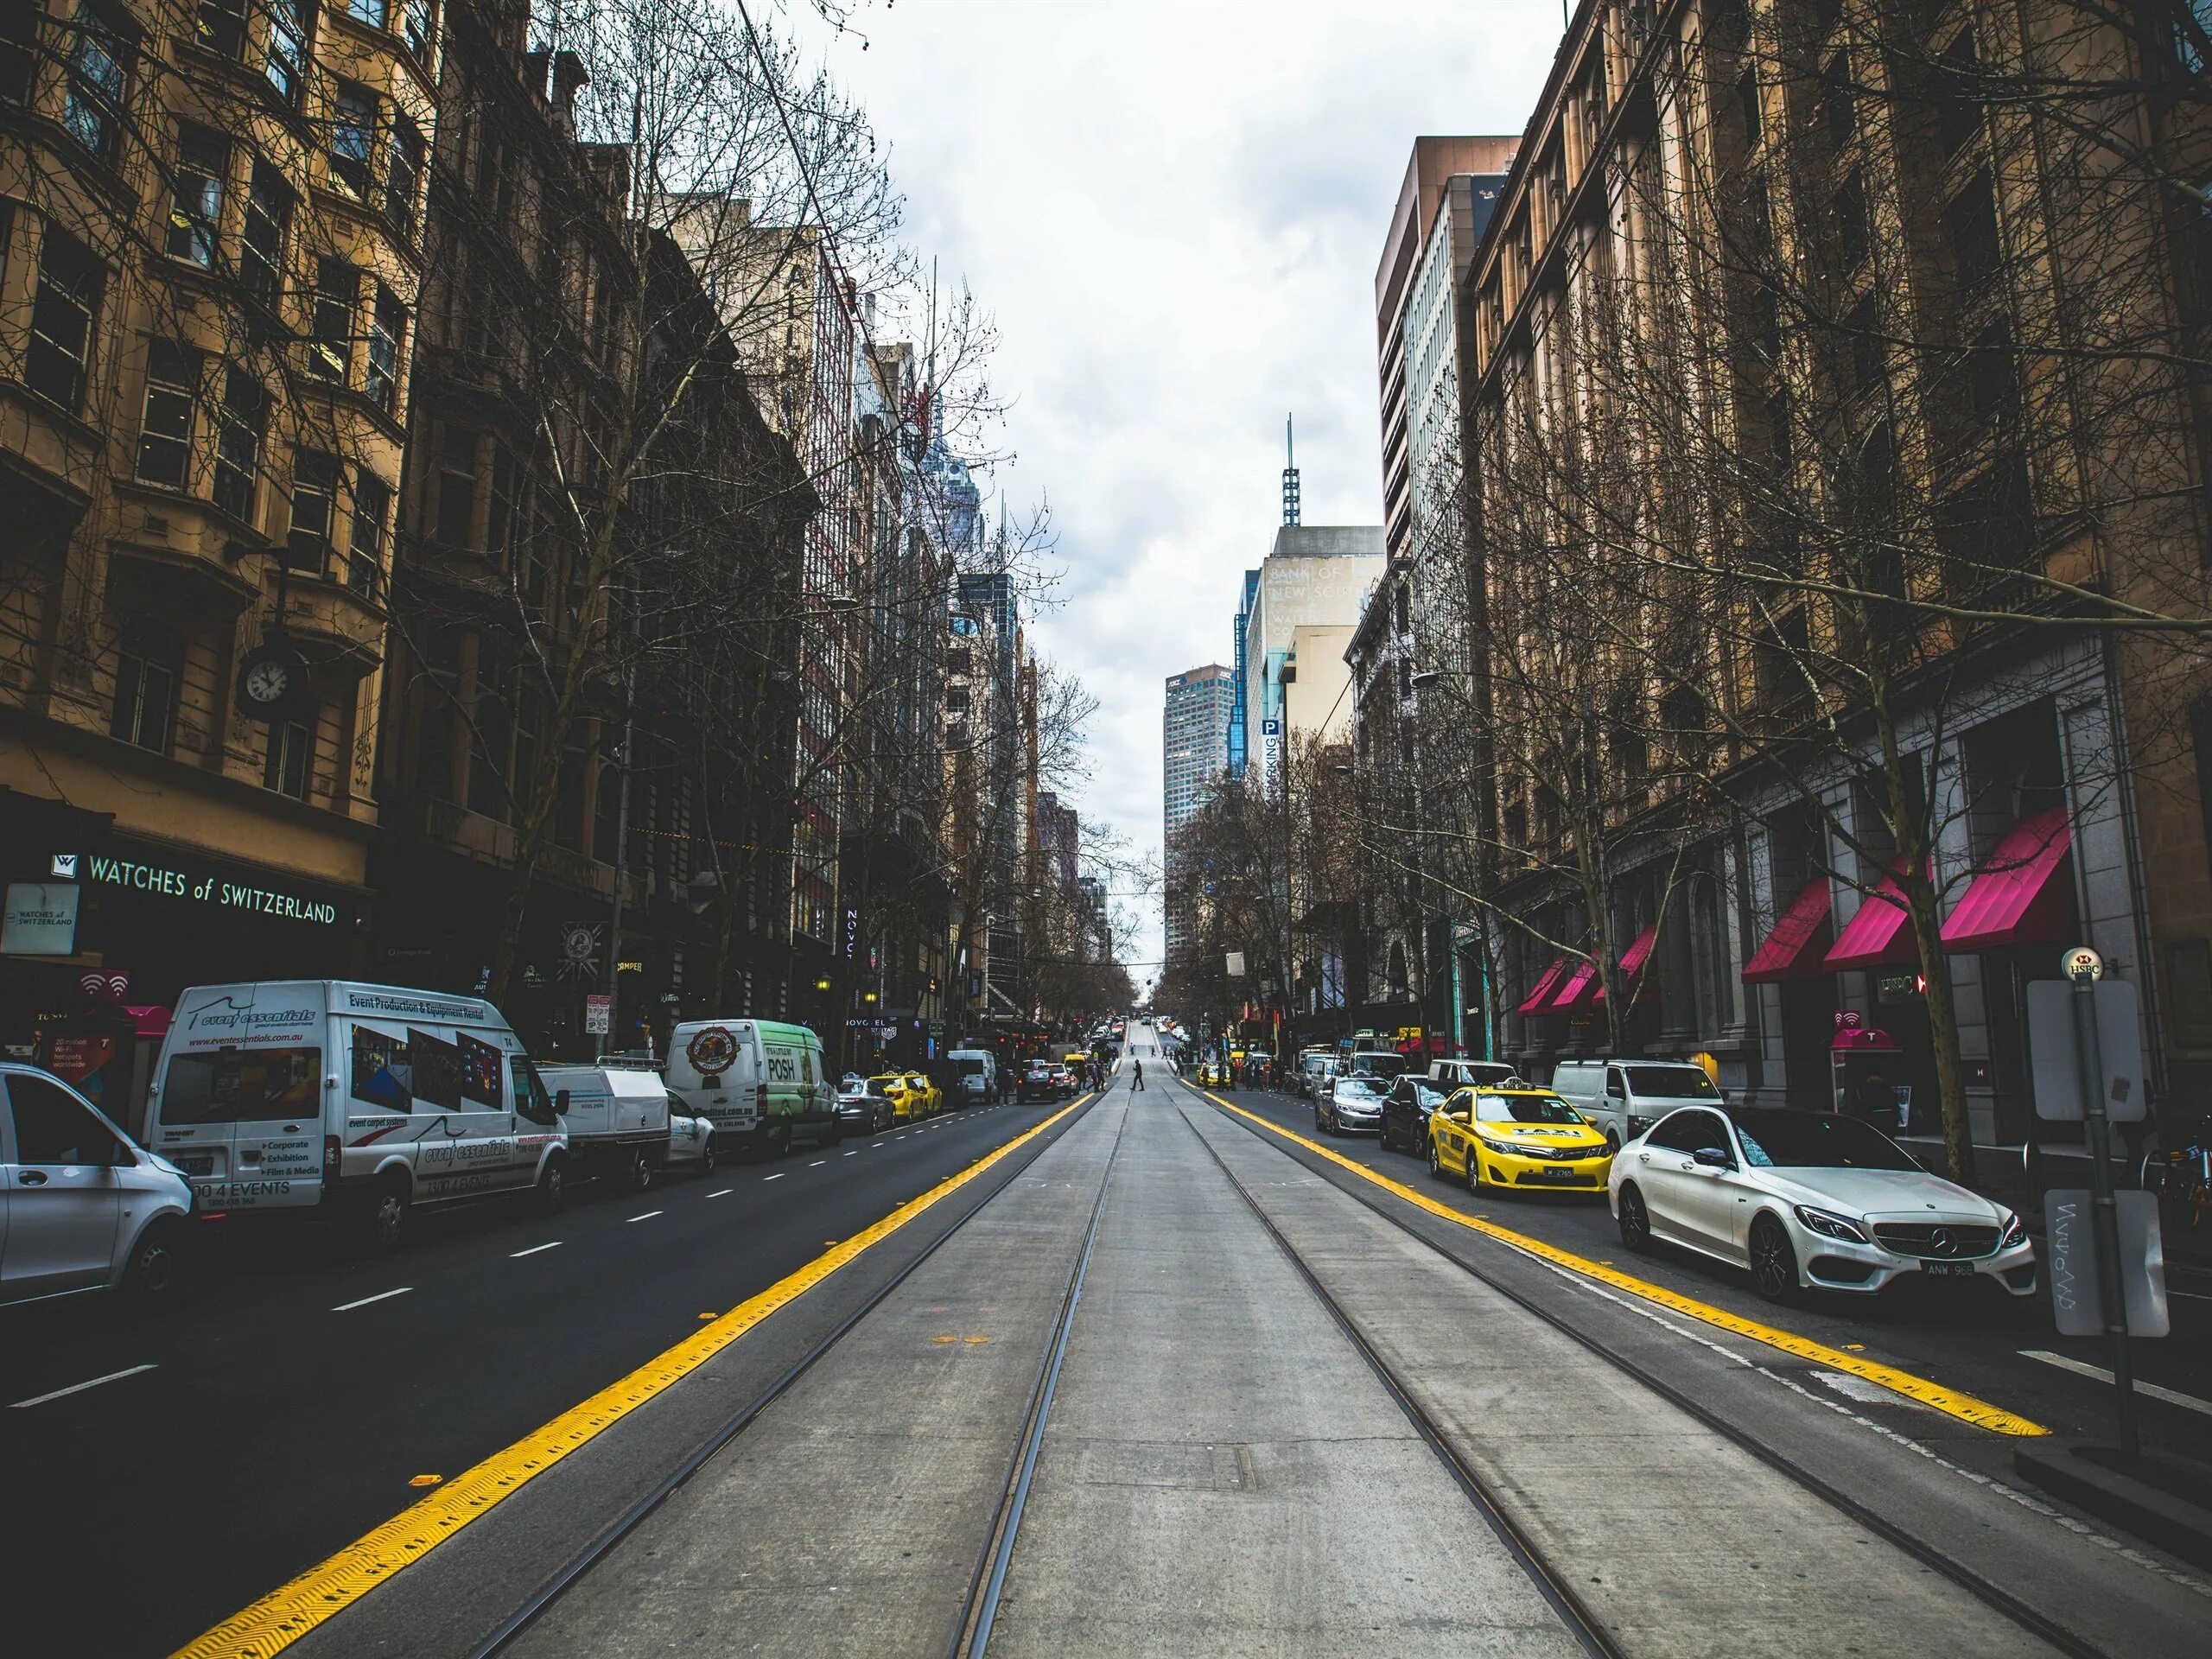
364	555
353	132
288	49
93	110
337	292
291	754
196	196
457	487
387	328
402	178
221	27
499	515
1851	223
144	691
69	281
1970	223
370	12
239	424
1958	109
268	217
172	396
314	483
417	21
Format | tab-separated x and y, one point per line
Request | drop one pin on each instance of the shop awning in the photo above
1879	935
1632	962
1800	938
1580	991
1541	992
2016	898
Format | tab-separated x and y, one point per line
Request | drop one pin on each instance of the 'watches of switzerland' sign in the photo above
206	887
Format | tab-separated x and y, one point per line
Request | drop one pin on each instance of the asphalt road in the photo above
285	1406
1979	1343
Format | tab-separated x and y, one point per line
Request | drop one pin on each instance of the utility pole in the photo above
2084	969
621	862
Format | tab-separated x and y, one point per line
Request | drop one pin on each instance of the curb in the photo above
2146	1504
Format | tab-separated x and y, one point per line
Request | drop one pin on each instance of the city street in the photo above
1979	1343
287	1406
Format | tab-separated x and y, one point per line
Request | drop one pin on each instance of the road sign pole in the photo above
2104	1209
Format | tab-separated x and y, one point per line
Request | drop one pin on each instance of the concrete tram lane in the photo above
1980	1343
303	1426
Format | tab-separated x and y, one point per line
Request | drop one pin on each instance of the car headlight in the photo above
2016	1232
1831	1226
1506	1146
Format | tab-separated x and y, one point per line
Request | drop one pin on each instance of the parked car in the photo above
691	1140
617	1121
1349	1105
930	1099
365	1101
1314	1070
1037	1083
1448	1074
908	1091
1405	1109
1375	1063
1516	1139
866	1109
978	1071
1623	1098
1810	1200
83	1207
1063	1081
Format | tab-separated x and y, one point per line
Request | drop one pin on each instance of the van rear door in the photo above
238	1107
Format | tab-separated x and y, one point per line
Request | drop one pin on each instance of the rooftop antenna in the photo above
1289	473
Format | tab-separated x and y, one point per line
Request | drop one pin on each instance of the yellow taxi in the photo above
1517	1138
932	1096
908	1091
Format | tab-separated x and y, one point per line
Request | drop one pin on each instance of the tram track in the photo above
580	1565
1994	1596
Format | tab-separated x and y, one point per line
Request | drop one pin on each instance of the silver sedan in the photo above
1351	1105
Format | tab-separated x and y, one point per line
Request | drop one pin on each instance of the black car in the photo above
1405	1113
1038	1082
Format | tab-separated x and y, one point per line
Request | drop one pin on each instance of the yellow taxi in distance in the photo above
932	1096
1515	1138
900	1088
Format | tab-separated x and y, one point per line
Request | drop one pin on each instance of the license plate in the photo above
1554	1173
195	1163
1948	1269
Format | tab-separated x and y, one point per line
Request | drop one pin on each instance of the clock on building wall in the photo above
272	679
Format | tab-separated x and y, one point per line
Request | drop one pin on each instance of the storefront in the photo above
97	917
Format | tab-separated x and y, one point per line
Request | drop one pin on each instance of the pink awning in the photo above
1801	937
1578	989
1878	936
2016	898
1541	992
1643	989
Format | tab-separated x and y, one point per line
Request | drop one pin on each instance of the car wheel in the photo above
1613	1144
639	1175
1774	1264
552	1188
150	1276
707	1157
836	1134
387	1216
1474	1182
1635	1223
1435	1158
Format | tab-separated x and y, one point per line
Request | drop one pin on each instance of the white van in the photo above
362	1100
978	1073
761	1083
616	1118
1623	1098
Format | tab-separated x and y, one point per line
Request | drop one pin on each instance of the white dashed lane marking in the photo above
78	1388
382	1295
649	1215
535	1248
724	1193
778	1176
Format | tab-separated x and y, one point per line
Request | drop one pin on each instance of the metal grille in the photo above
1935	1241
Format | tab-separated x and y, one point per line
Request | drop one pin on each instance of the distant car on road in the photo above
1810	1200
83	1207
866	1109
1037	1083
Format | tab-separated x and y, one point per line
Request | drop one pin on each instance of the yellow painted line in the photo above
1952	1402
285	1614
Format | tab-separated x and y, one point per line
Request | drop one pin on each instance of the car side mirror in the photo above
1712	1158
125	1156
560	1102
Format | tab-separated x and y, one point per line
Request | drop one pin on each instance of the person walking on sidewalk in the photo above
1136	1077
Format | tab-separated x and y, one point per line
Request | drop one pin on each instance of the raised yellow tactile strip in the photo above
1964	1406
286	1614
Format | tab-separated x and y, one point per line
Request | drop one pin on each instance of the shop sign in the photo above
1900	988
40	919
198	886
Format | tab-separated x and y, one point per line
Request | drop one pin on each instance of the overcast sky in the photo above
1175	211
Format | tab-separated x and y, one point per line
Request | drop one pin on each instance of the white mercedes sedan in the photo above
1808	1200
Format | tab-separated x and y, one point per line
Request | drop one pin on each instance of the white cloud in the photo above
1175	212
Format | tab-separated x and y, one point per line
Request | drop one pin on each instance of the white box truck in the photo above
359	1100
762	1083
617	1121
